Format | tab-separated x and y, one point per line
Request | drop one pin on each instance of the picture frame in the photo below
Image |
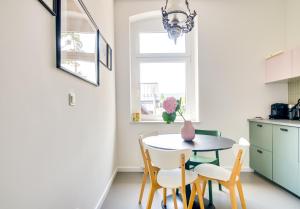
77	41
50	5
109	57
103	50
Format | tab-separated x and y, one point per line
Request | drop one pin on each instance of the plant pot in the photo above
188	131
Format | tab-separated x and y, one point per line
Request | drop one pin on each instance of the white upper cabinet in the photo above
279	67
283	66
286	65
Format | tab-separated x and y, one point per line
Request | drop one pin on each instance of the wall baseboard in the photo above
140	169
130	169
107	188
244	170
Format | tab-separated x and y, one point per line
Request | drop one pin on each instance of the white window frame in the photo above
153	25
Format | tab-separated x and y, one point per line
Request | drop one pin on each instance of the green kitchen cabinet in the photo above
275	152
298	193
261	148
261	161
286	157
299	177
261	135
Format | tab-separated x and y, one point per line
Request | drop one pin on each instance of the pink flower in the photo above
170	105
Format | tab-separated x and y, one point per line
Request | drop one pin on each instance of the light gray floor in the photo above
259	193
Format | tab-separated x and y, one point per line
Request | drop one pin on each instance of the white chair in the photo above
146	172
228	179
169	172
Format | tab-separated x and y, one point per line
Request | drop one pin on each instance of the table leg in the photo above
188	193
187	187
210	195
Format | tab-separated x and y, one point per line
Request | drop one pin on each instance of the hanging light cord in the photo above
166	4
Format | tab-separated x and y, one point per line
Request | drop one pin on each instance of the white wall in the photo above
52	156
292	23
234	38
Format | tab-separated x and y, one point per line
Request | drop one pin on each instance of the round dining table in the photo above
201	143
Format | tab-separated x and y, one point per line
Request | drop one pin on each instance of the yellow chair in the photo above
146	172
167	170
229	179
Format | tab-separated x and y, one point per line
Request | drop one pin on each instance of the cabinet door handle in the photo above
259	151
259	125
284	129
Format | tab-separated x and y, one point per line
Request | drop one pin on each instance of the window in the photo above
160	43
160	69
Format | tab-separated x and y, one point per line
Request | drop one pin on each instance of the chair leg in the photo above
210	192
143	186
150	198
233	198
220	187
184	201
241	193
204	187
200	196
165	196
174	198
218	164
192	197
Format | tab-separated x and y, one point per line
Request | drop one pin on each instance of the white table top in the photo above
201	143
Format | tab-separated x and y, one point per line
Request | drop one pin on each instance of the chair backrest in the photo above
239	151
208	132
167	159
141	137
242	145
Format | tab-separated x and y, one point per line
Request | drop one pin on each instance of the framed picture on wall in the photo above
77	35
103	50
109	57
50	5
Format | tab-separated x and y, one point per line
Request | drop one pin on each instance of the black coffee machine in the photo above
294	112
279	111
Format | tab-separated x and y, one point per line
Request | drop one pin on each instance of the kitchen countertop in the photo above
294	123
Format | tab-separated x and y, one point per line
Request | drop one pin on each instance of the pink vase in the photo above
188	131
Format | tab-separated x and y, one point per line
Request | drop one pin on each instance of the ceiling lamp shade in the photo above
177	18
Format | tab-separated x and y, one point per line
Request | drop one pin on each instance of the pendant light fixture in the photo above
177	18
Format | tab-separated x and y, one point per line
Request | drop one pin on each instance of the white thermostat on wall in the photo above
72	99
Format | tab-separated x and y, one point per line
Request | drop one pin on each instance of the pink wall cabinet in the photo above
279	67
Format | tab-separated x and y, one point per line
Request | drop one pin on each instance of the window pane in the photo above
160	43
159	81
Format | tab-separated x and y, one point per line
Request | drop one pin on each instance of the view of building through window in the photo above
159	81
161	75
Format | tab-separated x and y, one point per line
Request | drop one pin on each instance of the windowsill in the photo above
161	122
